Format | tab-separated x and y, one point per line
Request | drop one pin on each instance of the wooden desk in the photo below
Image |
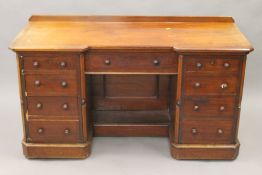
176	77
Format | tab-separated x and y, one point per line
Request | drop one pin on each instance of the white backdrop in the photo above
130	155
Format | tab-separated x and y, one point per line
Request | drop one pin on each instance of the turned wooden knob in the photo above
196	108
194	131
226	65
197	84
199	65
107	62
36	64
67	131
156	62
37	83
65	106
222	108
62	64
224	85
40	130
219	131
83	101
39	105
64	84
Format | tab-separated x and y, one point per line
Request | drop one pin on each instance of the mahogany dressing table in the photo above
87	76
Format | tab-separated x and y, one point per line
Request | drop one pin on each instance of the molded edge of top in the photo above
178	50
64	18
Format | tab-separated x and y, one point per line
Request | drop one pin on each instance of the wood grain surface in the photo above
49	33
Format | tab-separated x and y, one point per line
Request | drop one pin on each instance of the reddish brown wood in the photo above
177	98
42	62
51	85
206	84
134	130
56	106
23	99
210	107
212	63
133	18
163	62
203	152
53	131
131	117
51	106
177	77
84	98
184	34
50	151
239	99
130	92
207	132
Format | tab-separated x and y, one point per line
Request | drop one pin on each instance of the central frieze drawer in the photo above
140	62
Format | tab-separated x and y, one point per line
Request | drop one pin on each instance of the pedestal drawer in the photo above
56	85
205	84
210	107
212	63
58	106
53	131
207	131
42	62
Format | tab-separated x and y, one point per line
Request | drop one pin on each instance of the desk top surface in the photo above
79	33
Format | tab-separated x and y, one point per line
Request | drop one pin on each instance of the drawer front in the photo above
211	84
53	106
164	62
207	132
212	64
215	107
51	85
53	131
50	62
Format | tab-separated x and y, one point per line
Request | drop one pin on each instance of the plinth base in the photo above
73	151
204	152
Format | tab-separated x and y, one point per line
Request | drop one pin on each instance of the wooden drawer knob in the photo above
67	131
226	65
62	64
194	131
65	106
37	83
222	108
107	62
39	105
199	65
64	84
156	62
36	64
197	84
196	108
224	85
40	130
83	101
219	131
